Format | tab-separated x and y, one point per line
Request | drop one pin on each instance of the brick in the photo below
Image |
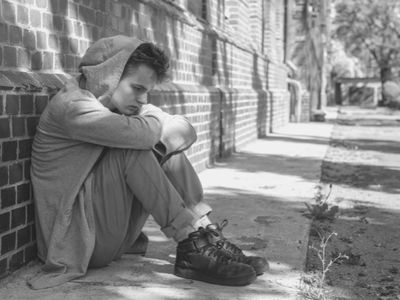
78	29
58	23
9	151
18	126
36	61
41	39
5	128
47	60
40	104
88	15
53	42
25	148
35	18
27	169
29	39
18	217
102	5
22	15
73	11
41	3
17	260
4	222
23	192
62	7
117	9
64	44
3	33
3	176
59	62
70	62
15	172
9	11
23	58
26	104
23	236
83	45
32	123
33	232
26	2
8	197
12	104
99	19
95	33
47	21
15	35
10	56
31	213
8	243
30	253
74	45
3	267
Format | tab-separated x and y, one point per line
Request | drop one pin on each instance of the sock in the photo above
183	233
202	222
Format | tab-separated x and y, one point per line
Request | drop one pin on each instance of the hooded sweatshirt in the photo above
71	134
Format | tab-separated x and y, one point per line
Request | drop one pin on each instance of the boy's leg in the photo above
118	216
184	178
128	186
141	181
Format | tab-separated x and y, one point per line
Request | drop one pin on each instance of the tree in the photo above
371	28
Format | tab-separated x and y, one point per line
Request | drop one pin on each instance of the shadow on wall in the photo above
173	101
262	98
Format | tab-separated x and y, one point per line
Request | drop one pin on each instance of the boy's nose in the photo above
142	99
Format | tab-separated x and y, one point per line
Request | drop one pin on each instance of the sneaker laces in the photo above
222	242
220	256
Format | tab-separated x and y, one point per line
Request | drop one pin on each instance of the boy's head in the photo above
147	66
151	56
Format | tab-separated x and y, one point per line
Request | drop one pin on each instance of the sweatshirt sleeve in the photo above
88	120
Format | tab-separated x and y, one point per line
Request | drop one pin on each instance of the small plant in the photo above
313	286
321	210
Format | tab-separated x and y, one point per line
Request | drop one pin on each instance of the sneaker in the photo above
197	259
215	237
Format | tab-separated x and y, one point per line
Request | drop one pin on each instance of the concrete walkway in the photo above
261	190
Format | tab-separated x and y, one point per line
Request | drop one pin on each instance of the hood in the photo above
103	63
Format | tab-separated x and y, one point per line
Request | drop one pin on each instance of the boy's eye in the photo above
138	88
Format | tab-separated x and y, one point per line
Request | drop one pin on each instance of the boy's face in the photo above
131	92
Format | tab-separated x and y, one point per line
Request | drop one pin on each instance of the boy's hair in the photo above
152	56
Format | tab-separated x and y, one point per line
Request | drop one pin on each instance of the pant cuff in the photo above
201	209
183	219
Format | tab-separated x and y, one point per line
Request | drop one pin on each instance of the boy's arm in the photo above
88	120
177	133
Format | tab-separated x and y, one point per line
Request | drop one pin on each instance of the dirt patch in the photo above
366	182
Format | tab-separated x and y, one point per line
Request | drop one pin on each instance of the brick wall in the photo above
232	87
19	114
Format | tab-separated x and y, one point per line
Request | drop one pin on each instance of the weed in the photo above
321	210
313	286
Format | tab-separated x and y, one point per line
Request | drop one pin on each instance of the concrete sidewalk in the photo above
261	190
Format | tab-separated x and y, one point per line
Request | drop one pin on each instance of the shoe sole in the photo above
233	281
259	271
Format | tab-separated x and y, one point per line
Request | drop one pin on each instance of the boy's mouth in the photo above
134	110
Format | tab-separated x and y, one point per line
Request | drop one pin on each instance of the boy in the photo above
102	161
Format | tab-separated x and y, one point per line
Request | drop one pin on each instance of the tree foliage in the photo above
373	27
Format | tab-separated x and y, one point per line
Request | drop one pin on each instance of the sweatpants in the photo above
129	185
